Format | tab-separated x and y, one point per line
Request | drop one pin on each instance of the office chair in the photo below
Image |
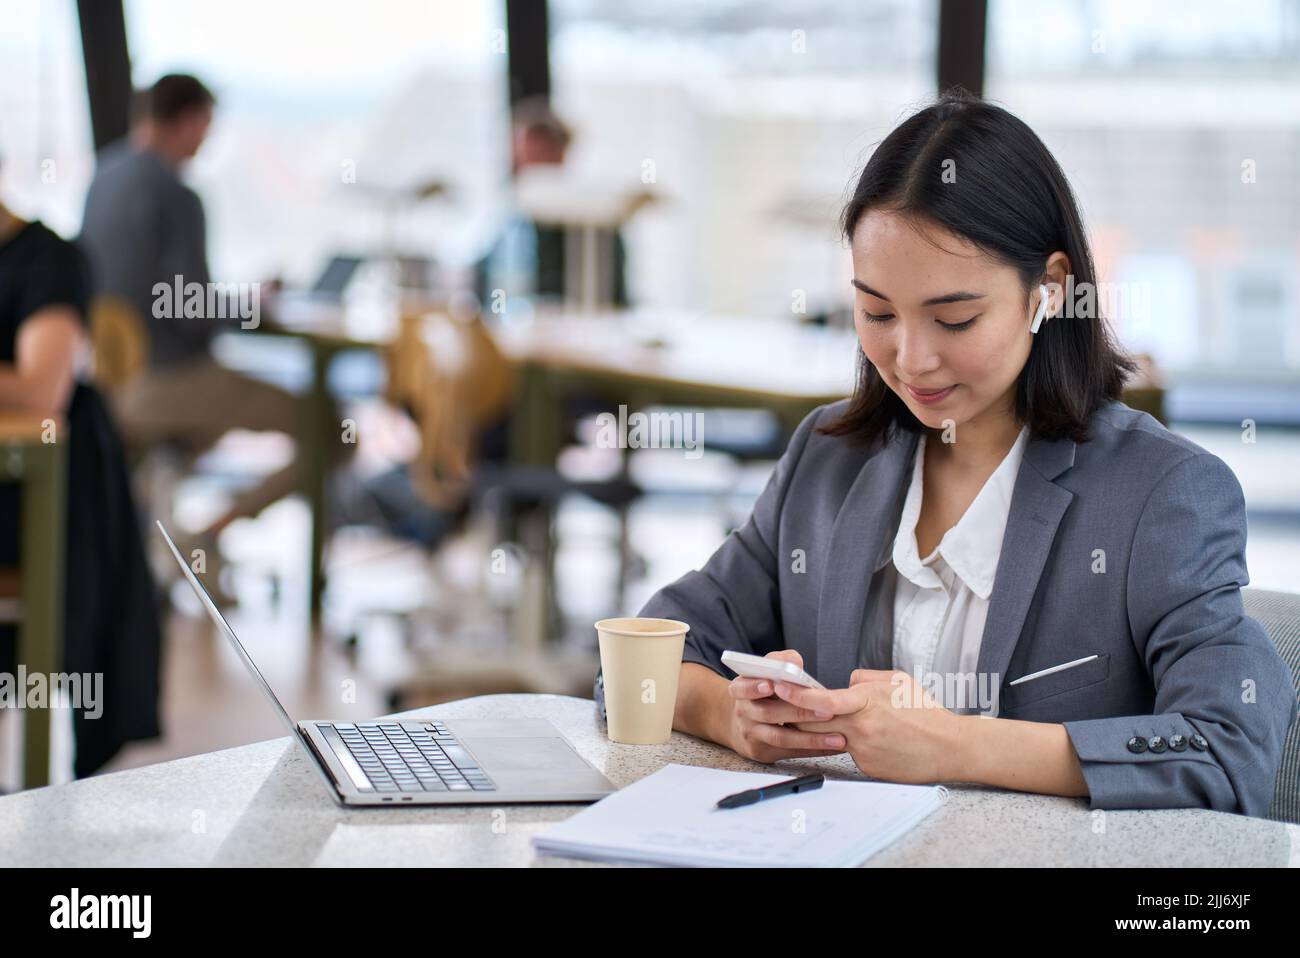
1279	614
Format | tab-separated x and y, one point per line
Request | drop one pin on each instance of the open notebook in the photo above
668	818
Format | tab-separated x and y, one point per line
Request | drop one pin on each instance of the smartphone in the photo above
757	667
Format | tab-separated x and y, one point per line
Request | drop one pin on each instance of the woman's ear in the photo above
1055	279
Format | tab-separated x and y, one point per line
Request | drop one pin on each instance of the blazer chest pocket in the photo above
1055	683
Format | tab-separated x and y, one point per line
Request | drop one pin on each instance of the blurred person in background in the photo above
534	250
143	227
110	617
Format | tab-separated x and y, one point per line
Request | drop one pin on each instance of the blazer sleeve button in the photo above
1178	743
1136	744
1199	743
1157	744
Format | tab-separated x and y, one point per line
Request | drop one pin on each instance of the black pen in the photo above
805	783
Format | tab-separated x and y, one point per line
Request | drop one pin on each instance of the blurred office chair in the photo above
120	350
433	368
447	372
119	342
449	375
1279	614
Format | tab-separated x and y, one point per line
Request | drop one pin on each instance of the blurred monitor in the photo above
334	279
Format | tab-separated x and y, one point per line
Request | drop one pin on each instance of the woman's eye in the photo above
951	327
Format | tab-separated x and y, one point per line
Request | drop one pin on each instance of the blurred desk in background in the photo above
640	358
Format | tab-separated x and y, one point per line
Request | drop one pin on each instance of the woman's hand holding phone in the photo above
758	723
896	729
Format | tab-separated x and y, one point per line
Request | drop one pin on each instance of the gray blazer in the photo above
1129	547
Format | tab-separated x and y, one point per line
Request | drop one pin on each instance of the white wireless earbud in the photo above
1043	299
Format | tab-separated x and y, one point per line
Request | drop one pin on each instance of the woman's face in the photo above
933	312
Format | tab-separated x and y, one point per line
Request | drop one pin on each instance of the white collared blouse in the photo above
941	601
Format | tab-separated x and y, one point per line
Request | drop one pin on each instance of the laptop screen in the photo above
220	621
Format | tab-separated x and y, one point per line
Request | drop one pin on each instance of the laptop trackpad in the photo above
542	763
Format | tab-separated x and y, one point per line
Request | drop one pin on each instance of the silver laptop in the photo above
430	761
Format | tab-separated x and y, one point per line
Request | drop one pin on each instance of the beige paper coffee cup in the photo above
640	660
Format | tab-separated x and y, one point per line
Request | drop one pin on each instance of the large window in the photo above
46	154
1179	127
749	119
331	114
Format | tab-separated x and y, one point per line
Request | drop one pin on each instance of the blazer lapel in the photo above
867	523
864	529
1037	506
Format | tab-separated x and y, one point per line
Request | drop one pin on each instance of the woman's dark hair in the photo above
1009	197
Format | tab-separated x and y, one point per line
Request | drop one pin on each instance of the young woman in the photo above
1000	572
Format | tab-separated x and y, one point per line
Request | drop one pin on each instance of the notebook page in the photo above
669	818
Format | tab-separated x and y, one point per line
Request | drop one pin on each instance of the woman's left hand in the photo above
894	729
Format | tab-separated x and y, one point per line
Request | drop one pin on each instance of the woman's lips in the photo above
930	398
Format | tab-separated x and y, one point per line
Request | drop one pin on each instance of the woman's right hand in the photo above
758	721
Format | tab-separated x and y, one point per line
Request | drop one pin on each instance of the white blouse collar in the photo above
970	548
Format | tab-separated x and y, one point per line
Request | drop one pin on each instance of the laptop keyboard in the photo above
415	757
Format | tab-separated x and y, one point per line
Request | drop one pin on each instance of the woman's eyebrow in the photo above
958	297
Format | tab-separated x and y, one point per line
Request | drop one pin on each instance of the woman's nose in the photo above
916	355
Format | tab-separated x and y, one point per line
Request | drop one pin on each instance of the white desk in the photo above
262	804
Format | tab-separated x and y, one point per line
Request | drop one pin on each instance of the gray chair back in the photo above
1279	614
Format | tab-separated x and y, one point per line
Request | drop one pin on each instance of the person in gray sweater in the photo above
144	235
